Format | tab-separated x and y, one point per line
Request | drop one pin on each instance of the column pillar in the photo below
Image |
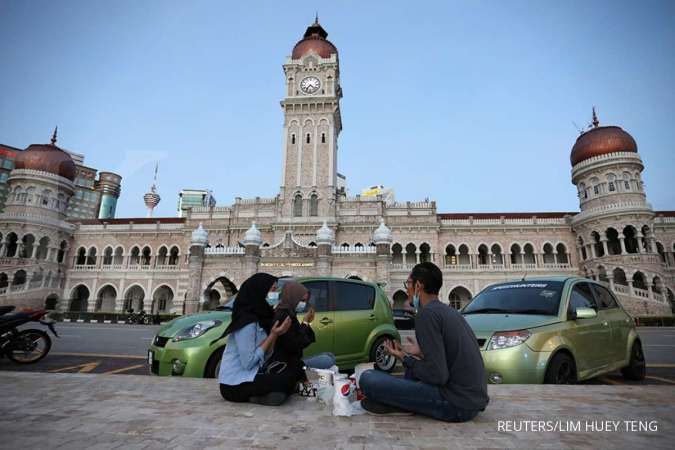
650	291
611	282
631	292
652	243
604	245
592	248
623	243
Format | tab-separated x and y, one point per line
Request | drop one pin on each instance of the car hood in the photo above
172	328
486	324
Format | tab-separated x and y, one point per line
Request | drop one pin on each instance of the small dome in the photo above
601	141
253	236
46	158
200	236
314	40
325	235
382	235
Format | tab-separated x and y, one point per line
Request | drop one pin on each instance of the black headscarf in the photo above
251	305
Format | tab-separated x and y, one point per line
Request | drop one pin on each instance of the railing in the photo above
3	290
458	267
556	266
167	267
658	297
621	289
640	292
111	267
353	250
84	267
402	266
224	251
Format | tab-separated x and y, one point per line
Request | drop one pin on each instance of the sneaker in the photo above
380	409
271	399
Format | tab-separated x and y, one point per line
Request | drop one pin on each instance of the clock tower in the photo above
312	125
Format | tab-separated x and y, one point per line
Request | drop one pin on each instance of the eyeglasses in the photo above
406	284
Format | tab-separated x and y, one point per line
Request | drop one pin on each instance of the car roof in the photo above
325	278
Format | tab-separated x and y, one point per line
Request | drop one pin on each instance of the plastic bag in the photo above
324	382
341	399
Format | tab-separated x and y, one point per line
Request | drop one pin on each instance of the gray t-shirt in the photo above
452	359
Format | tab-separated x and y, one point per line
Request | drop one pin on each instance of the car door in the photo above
354	318
590	337
619	322
324	319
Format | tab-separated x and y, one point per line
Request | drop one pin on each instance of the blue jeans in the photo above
320	361
409	395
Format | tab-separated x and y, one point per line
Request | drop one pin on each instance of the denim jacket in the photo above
242	356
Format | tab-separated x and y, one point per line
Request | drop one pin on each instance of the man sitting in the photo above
445	375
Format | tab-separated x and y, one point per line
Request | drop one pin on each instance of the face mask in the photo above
416	302
273	298
301	307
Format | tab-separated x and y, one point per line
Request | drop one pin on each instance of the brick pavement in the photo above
74	411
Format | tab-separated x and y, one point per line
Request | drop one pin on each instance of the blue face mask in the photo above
416	302
273	298
300	308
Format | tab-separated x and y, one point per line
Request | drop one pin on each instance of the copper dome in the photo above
601	141
314	40
46	158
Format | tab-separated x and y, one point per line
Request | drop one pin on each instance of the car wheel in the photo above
378	355
636	368
213	364
561	370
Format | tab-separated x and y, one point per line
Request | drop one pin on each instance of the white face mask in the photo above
301	307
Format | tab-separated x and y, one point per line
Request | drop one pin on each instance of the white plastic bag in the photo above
325	390
341	399
359	369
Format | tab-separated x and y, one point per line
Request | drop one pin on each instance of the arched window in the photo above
630	239
307	138
43	248
397	254
528	256
135	257
27	248
292	138
173	256
619	277
483	255
161	256
464	257
314	205
81	256
118	258
561	254
62	252
450	255
425	252
516	254
107	256
597	244
91	256
497	257
613	244
297	206
358	246
549	257
145	256
411	253
323	138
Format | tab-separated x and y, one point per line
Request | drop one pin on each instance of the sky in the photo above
470	103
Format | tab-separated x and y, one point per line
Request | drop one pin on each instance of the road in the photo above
112	348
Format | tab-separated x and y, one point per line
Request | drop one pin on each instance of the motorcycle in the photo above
139	318
24	346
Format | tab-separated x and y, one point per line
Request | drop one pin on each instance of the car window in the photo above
318	294
582	297
605	299
521	297
352	296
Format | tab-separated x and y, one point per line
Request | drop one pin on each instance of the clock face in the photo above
310	85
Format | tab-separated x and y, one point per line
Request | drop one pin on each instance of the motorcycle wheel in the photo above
29	346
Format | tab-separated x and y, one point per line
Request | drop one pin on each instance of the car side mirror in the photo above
585	313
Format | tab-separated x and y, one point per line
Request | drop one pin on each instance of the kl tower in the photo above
152	198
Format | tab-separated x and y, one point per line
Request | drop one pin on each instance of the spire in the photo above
54	135
595	122
152	198
316	18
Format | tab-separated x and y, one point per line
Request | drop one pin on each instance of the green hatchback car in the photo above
553	330
353	320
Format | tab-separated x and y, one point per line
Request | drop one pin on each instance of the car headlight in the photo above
506	339
196	330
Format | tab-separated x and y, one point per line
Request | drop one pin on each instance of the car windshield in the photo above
524	297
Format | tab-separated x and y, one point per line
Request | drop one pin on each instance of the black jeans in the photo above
262	384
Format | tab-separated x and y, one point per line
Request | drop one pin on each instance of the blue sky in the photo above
470	103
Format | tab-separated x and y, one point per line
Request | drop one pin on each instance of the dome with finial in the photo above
325	235
253	236
314	40
200	236
382	235
46	158
601	141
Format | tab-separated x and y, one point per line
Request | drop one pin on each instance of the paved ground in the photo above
111	348
83	411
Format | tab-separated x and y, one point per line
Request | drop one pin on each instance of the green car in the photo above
353	320
553	330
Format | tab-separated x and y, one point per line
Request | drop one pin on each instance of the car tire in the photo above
379	356
213	364
561	370
636	368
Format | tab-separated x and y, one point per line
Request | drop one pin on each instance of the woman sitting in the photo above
252	337
289	347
